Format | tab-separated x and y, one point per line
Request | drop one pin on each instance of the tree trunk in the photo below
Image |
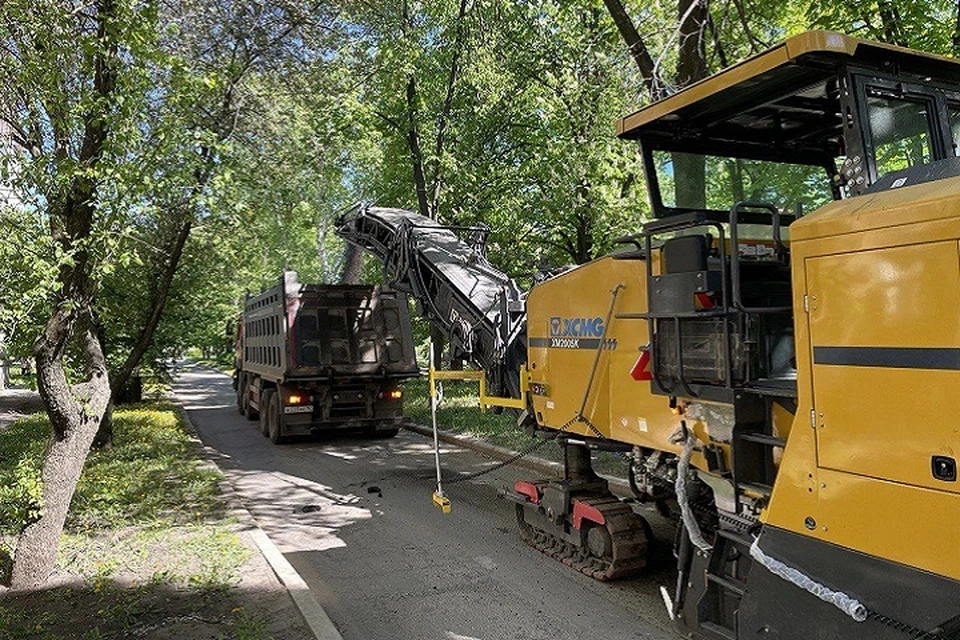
75	414
416	154
638	50
692	63
956	34
74	411
439	341
122	376
444	119
4	365
689	170
890	19
352	264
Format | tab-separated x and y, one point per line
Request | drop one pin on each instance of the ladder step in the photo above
761	438
723	632
733	536
734	587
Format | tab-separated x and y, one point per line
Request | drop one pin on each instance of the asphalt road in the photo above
354	516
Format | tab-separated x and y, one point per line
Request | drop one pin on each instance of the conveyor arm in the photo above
444	268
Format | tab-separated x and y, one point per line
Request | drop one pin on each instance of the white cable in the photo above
850	606
686	513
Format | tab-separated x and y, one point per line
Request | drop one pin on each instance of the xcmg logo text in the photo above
576	327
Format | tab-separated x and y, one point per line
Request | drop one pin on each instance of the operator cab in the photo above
731	161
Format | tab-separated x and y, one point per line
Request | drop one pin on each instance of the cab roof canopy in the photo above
783	104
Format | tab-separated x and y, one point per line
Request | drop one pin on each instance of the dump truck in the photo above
775	355
317	357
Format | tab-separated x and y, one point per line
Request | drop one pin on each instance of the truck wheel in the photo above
266	398
242	395
273	420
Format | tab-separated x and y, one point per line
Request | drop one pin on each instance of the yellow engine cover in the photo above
876	283
568	331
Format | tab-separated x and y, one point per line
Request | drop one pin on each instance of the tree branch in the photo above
635	45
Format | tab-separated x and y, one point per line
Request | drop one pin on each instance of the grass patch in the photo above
22	381
151	476
460	413
147	545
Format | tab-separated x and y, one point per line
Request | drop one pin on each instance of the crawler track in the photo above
629	536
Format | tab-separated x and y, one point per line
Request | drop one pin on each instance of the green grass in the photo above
460	413
149	477
26	382
147	534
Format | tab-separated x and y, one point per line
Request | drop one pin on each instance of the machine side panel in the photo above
860	475
917	598
264	335
565	315
885	328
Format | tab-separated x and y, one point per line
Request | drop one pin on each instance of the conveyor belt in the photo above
444	268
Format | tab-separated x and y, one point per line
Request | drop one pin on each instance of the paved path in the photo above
355	518
15	403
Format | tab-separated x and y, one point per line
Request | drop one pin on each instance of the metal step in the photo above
764	439
756	487
734	587
775	387
720	631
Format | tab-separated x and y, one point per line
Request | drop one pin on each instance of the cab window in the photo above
954	111
900	131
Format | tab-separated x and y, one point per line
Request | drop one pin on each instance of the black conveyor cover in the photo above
479	307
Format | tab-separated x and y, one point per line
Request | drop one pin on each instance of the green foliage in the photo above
150	476
928	25
146	509
23	445
460	412
257	123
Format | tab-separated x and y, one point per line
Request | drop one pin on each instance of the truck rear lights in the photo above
393	394
296	398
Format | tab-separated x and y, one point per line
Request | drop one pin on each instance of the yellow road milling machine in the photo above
776	354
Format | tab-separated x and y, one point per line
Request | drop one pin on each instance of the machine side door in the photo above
885	342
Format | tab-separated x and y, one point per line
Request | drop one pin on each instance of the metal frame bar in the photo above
486	401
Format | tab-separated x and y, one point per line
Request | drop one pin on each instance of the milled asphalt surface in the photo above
354	516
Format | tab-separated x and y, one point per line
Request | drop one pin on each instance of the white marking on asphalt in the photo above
338	454
486	563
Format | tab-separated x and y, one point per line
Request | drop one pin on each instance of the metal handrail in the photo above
735	211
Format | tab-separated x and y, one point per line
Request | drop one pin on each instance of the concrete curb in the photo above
313	613
539	465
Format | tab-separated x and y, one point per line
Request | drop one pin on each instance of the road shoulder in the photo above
313	614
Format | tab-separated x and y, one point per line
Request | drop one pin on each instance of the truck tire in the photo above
252	414
242	395
266	398
273	421
386	433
